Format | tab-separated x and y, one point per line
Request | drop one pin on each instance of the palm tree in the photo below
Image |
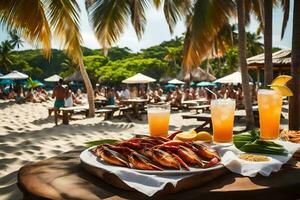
5	54
243	64
60	16
267	25
173	54
15	39
294	101
254	47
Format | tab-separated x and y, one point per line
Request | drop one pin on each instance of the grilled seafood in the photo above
165	159
141	162
156	153
111	156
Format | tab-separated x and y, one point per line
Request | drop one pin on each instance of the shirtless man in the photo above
59	93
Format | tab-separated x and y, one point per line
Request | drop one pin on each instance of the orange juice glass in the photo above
158	119
222	116
269	107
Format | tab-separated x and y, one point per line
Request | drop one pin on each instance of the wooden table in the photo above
62	177
100	102
70	110
134	103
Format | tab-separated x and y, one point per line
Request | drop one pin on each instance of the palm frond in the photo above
223	40
157	3
28	18
205	23
138	18
174	10
64	19
108	19
286	10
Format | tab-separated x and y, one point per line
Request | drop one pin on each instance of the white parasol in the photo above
15	75
53	78
138	78
176	82
233	78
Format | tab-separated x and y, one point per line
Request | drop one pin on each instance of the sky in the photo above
157	31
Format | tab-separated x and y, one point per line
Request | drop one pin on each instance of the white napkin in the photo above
144	183
229	158
151	184
147	184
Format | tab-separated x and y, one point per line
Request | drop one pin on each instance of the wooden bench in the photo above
197	108
50	110
107	113
72	110
125	112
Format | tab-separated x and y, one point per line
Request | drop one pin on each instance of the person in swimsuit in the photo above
59	93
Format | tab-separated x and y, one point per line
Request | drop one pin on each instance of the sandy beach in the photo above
28	135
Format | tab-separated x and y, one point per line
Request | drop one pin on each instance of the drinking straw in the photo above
212	92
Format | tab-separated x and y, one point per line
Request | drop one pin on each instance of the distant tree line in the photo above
157	61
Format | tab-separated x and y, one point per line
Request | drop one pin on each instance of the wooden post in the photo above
257	77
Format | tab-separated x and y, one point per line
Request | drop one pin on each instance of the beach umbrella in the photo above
176	82
192	83
76	76
206	84
33	83
6	82
15	75
53	78
138	78
233	78
196	74
170	86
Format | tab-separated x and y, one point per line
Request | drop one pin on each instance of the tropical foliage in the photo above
167	55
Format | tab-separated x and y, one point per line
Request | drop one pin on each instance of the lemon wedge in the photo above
186	136
204	136
281	80
284	90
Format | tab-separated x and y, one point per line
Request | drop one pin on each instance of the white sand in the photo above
28	135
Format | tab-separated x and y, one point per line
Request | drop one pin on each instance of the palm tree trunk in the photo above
268	18
89	88
294	102
243	64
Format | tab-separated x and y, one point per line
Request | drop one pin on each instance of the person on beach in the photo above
59	93
124	94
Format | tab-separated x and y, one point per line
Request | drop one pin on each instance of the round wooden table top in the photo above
63	177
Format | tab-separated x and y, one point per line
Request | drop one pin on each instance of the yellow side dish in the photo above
254	158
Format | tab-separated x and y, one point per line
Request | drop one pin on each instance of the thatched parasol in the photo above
281	61
138	78
196	74
76	76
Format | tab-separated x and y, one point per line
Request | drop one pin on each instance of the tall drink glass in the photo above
158	119
222	116
269	107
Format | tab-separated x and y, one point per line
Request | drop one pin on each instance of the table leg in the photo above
65	117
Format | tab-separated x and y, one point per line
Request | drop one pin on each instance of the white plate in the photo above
90	159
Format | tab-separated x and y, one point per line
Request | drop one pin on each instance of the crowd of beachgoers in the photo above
175	96
112	96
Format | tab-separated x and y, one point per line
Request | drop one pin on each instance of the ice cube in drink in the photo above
222	116
269	106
